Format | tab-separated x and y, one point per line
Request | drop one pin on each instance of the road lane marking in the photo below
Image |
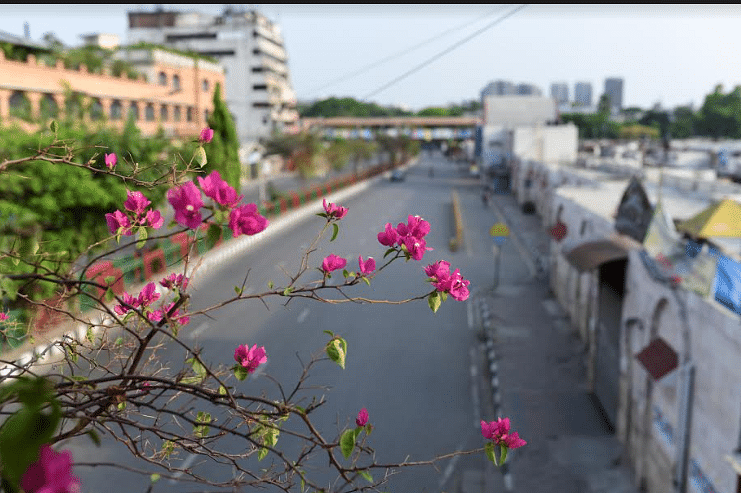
450	467
469	309
198	330
302	316
186	464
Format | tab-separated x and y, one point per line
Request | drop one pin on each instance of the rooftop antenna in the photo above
26	30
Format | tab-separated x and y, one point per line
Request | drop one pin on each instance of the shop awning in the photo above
658	358
592	254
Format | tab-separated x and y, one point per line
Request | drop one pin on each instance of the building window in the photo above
205	115
149	112
176	82
96	110
48	107
163	113
163	79
260	87
73	106
257	70
205	84
261	104
189	114
20	106
134	111
116	110
176	113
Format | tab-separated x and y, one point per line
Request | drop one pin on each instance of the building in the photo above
614	89
259	91
525	89
560	92
170	91
102	40
498	88
583	93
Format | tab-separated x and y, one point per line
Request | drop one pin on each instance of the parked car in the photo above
397	175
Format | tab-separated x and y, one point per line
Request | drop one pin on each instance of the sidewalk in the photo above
534	367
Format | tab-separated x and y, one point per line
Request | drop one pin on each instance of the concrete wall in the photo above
701	331
513	111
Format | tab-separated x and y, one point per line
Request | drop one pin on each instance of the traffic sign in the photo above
499	230
499	240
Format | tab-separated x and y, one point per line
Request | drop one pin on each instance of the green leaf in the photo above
287	291
347	442
121	406
337	351
200	156
367	476
238	290
489	451
167	448
94	437
443	295
142	237
329	332
222	390
201	430
366	280
198	368
154	477
336	228
118	342
271	284
434	301
345	273
240	372
89	335
262	453
390	250
109	295
323	214
214	233
503	455
54	126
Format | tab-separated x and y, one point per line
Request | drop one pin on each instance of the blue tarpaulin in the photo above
728	283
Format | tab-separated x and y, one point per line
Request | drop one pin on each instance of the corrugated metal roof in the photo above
6	37
658	358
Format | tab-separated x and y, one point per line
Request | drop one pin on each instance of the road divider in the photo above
457	240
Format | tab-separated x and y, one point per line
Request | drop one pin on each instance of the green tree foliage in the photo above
593	126
338	154
348	107
720	115
62	208
656	119
302	151
223	151
684	122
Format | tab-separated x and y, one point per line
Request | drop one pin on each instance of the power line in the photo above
401	53
445	51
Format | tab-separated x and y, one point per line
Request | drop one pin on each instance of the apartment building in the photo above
560	92
259	91
583	93
172	91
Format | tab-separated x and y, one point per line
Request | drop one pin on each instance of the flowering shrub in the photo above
132	396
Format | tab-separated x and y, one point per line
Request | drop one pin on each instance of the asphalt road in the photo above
409	367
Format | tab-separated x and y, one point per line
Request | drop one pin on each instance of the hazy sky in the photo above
669	54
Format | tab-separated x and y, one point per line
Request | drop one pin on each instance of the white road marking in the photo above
450	467
302	316
185	465
469	310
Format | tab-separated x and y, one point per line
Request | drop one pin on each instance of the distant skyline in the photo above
673	55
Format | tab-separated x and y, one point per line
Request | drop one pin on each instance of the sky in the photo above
673	55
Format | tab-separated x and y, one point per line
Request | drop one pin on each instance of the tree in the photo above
223	151
720	114
604	104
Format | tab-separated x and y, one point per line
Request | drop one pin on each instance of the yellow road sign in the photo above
499	229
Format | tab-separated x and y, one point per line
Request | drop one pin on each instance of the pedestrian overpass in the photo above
424	128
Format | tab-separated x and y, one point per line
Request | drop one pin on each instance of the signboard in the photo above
499	233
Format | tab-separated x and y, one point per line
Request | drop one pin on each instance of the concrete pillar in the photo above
35	99
4	100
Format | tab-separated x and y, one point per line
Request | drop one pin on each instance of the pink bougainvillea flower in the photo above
438	270
362	418
514	440
136	202
3	316
388	237
246	220
206	136
111	160
159	314
219	190
52	473
154	219
333	262
366	267
334	211
131	301
117	220
415	246
148	295
175	281
498	432
187	202
416	227
250	358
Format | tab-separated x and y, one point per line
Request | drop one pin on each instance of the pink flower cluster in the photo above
447	282
498	431
146	297
187	201
334	211
3	316
138	215
207	134
409	236
362	418
366	267
333	262
111	160
52	473
159	314
250	357
175	281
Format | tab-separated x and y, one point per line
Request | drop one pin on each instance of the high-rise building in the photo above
583	93
560	92
614	89
498	88
259	91
525	89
